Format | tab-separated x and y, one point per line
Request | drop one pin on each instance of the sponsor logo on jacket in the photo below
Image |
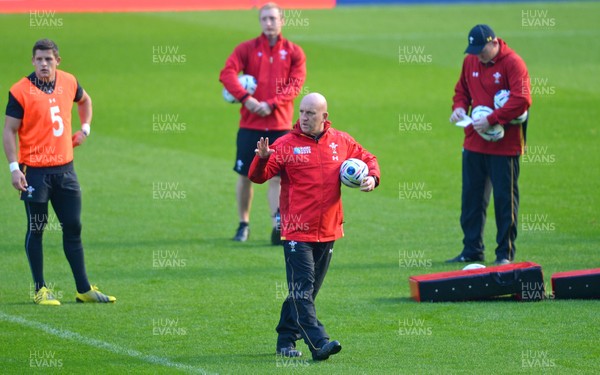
302	150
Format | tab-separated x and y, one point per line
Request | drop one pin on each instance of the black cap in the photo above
479	36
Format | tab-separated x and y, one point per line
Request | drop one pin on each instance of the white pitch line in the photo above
74	336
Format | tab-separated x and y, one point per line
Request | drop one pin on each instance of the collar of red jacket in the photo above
503	51
265	41
298	130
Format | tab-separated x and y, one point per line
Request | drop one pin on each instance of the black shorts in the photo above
43	182
246	144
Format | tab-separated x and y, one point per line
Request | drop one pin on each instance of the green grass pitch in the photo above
159	206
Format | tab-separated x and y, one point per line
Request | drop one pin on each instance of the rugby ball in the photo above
473	266
495	132
248	83
501	98
352	172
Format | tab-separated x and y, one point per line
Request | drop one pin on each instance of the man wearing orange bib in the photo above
39	113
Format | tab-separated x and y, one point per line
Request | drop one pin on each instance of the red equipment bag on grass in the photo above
576	284
523	280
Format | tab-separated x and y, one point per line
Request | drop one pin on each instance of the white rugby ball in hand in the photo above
248	83
501	98
495	132
352	172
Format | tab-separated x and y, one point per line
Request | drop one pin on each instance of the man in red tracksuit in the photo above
279	66
308	160
490	66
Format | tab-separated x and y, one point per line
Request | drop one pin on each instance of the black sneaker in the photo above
464	259
501	262
289	352
276	233
243	233
327	350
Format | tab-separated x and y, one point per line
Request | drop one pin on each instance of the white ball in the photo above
494	133
352	172
501	98
481	111
473	266
248	83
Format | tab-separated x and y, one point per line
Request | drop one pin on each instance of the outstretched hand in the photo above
262	148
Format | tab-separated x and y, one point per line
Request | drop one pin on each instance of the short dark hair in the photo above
44	45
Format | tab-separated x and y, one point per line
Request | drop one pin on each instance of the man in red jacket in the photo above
279	67
308	160
490	66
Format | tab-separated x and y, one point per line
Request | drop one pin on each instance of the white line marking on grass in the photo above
74	336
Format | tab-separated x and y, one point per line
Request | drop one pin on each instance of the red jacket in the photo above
479	83
280	72
310	202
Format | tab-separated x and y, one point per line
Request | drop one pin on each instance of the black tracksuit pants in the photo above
306	265
60	186
482	174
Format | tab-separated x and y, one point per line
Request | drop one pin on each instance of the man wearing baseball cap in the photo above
479	36
490	66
